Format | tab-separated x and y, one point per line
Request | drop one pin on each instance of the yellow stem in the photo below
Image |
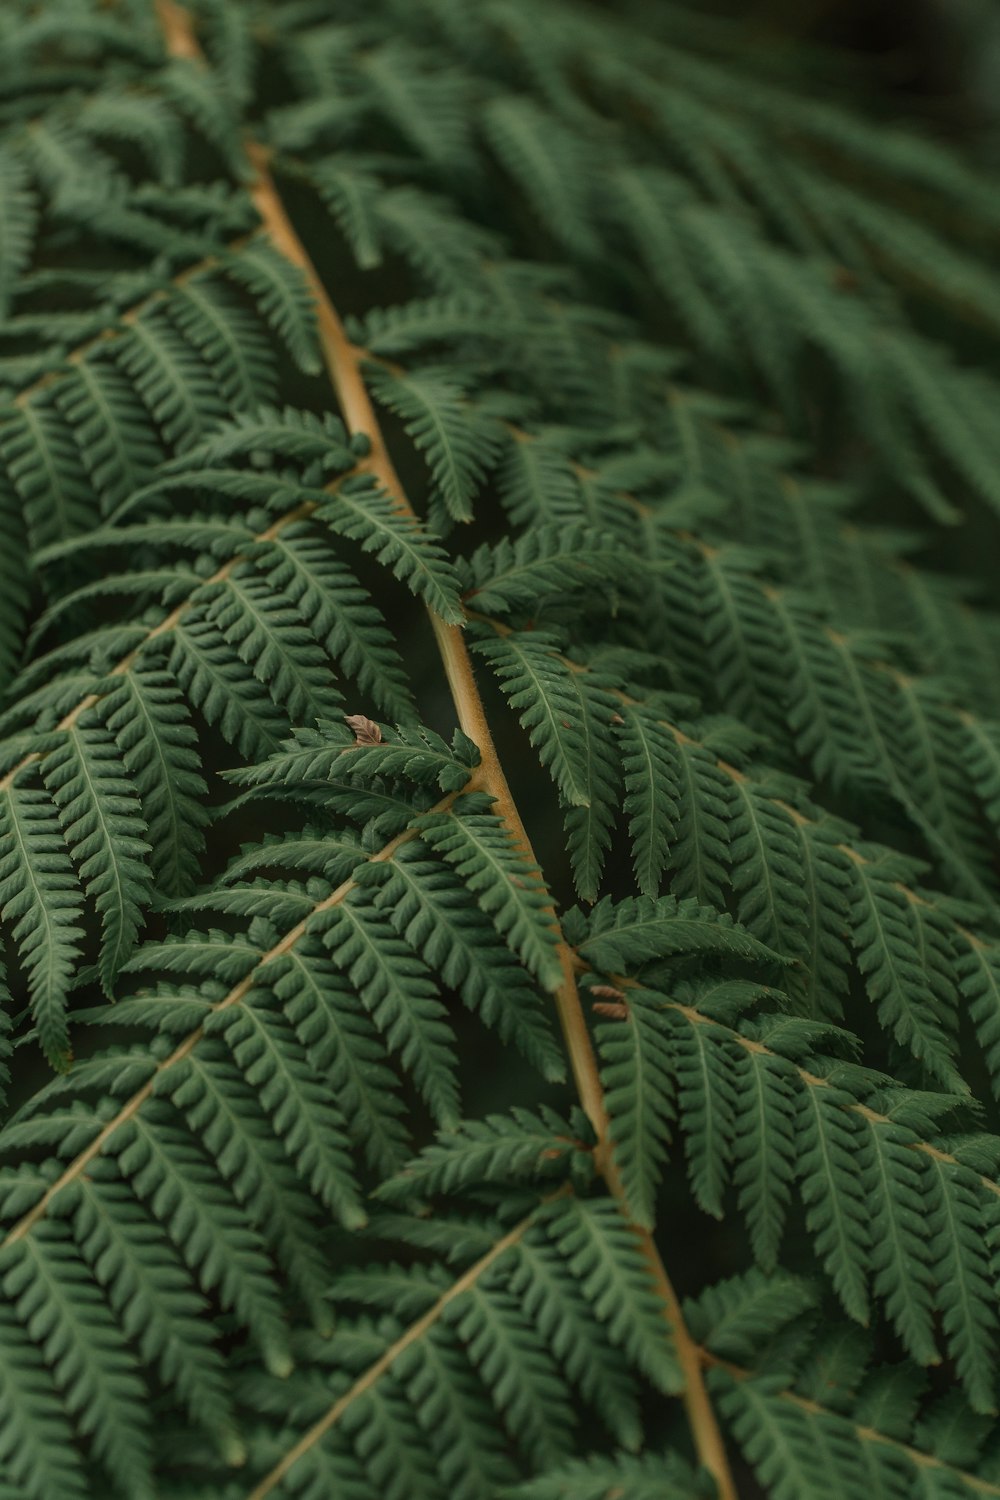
344	369
345	375
343	366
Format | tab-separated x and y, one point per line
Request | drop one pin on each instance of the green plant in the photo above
399	408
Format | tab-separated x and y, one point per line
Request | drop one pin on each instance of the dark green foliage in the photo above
343	1154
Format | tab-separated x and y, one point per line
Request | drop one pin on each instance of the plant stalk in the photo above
343	365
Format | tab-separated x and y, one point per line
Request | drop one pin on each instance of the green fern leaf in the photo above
343	1044
169	1175
350	193
547	563
428	907
361	512
542	687
458	444
37	1436
765	1150
268	635
158	745
41	901
835	1205
623	934
104	827
307	1123
890	958
708	364
962	1276
648	751
569	717
15	585
50	1289
341	615
543	157
507	887
224	689
229	341
645	1477
18	212
147	1292
766	869
603	1252
42	462
701	849
397	991
100	406
900	1263
560	1311
638	1092
173	381
282	296
499	1148
736	1318
522	1377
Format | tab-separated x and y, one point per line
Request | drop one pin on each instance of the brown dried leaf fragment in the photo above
611	1002
366	731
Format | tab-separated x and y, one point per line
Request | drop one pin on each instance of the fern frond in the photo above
308	1125
340	614
427	906
543	157
499	1148
265	629
38	1437
601	1251
632	1478
173	381
99	404
361	512
480	849
459	448
50	1290
15	584
150	725
105	830
704	365
640	928
536	569
569	719
42	902
43	464
399	994
649	773
343	1045
279	291
19	214
894	968
224	689
148	1293
638	1091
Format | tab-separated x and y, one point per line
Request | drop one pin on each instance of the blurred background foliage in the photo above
930	62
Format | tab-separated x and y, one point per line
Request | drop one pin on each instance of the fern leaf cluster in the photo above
500	766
